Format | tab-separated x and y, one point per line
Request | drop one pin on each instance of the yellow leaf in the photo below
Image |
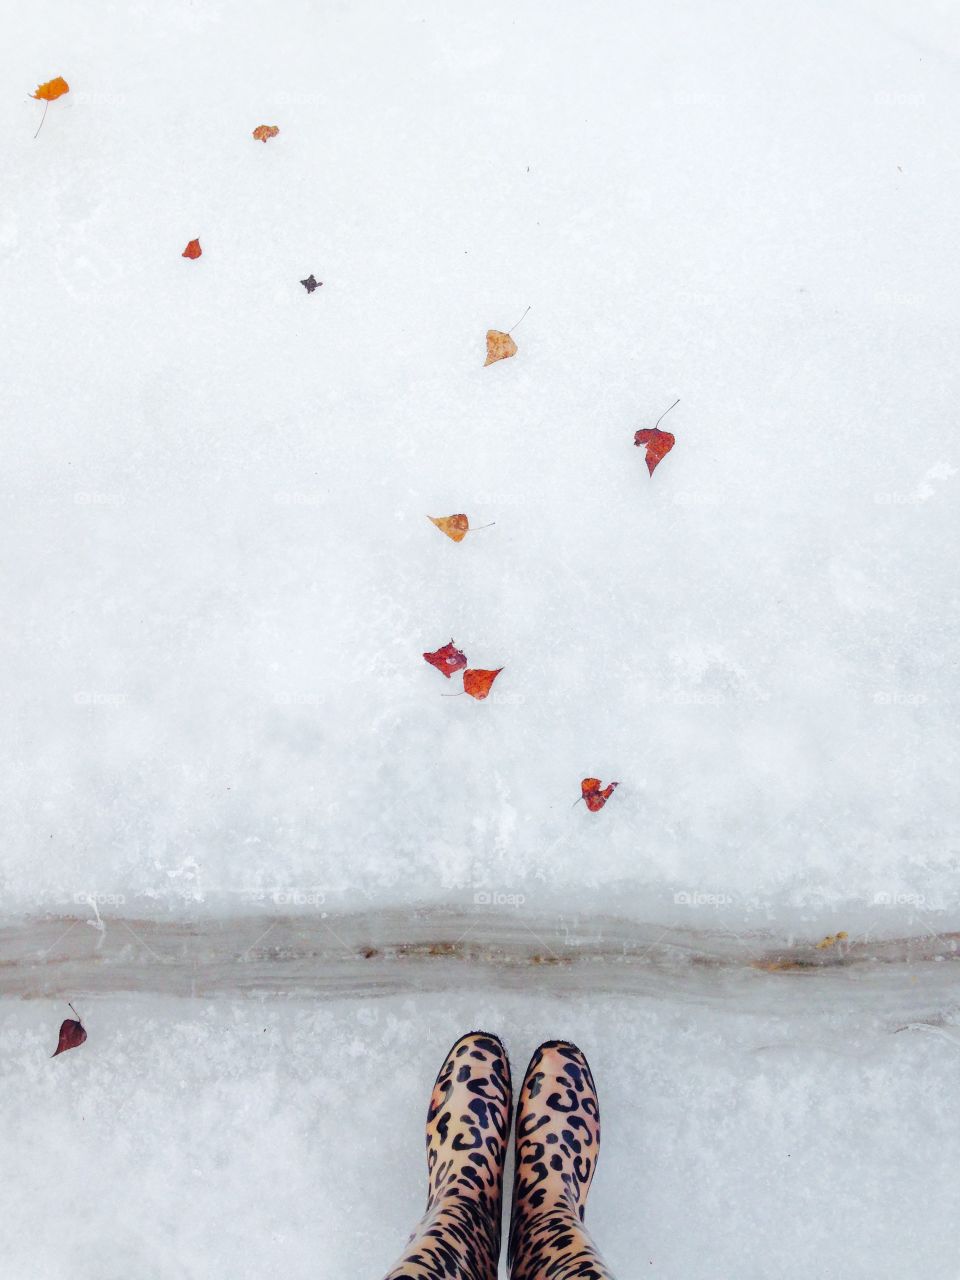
455	527
52	89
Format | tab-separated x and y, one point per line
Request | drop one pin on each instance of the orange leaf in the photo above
447	660
455	527
477	683
500	346
594	797
192	250
55	88
264	131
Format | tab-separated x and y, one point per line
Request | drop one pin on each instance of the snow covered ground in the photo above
219	577
220	1139
218	580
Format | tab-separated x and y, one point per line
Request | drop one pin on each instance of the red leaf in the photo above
72	1035
594	797
659	443
477	682
447	660
192	250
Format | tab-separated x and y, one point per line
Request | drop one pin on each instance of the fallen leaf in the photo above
594	797
53	89
447	660
832	939
500	346
192	250
72	1035
311	283
477	682
264	131
659	443
455	527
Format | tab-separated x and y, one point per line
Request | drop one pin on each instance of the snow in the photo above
219	578
237	1140
219	572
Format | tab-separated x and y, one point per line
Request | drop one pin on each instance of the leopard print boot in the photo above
558	1140
467	1128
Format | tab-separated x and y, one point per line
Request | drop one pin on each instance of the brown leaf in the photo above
264	131
72	1035
500	346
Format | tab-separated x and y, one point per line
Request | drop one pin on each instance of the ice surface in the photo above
206	1140
218	579
218	572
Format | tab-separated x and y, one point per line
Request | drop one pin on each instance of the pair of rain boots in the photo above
557	1142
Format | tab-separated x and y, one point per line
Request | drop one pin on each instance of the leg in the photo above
558	1140
467	1127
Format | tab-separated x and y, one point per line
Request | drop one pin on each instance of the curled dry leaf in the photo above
500	346
192	250
53	89
72	1035
659	444
264	131
455	527
477	682
448	659
593	795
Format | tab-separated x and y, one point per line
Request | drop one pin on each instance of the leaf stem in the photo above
519	322
42	118
664	414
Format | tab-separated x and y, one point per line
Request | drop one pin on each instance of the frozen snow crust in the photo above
232	1140
218	572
